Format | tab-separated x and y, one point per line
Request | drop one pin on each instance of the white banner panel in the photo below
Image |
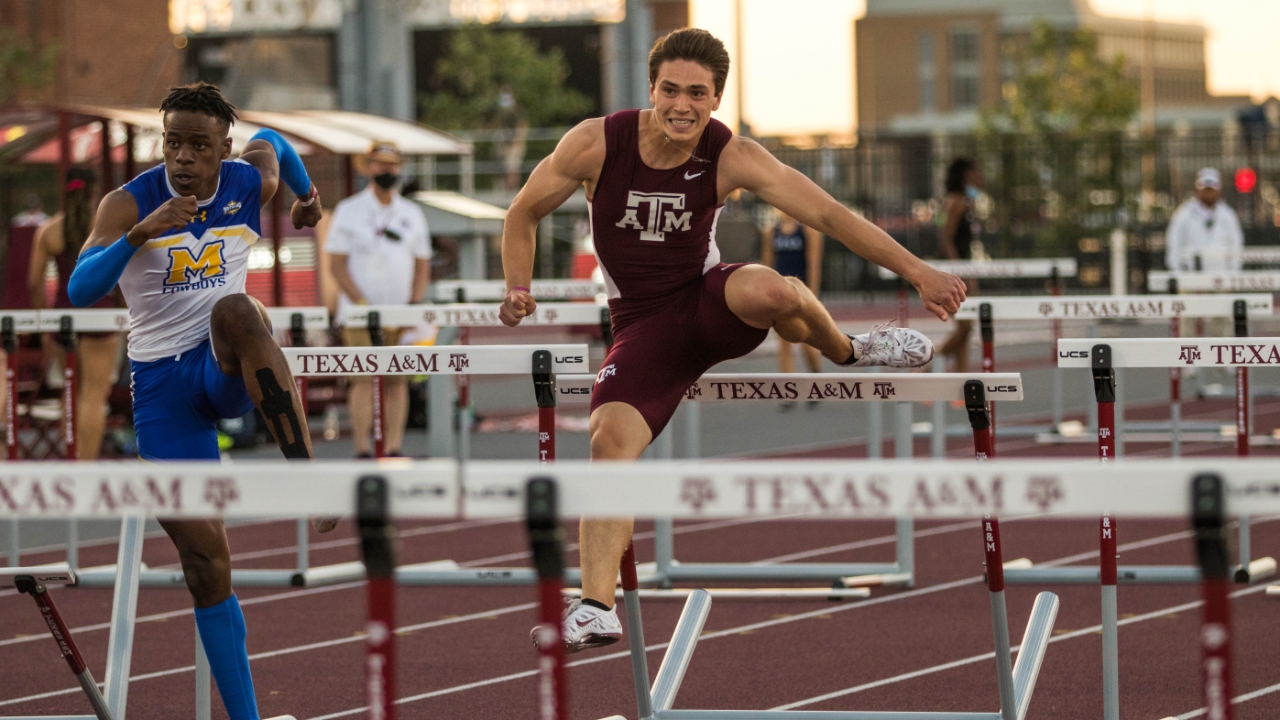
1029	268
837	387
1098	307
1245	281
440	359
1173	352
473	315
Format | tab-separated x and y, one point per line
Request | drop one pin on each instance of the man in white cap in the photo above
380	254
1204	234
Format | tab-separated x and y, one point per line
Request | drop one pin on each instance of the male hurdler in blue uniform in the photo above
177	241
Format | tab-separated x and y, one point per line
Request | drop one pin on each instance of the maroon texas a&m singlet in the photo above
654	230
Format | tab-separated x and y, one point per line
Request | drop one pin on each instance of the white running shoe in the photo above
585	627
890	346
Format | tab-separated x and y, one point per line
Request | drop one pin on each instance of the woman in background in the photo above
61	238
794	251
963	183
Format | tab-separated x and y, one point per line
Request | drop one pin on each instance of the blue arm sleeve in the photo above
98	269
291	169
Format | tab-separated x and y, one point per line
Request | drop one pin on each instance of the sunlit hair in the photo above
78	217
695	45
200	97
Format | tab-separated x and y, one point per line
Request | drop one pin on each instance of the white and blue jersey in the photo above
171	285
173	281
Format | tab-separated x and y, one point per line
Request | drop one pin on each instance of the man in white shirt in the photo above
380	253
1204	234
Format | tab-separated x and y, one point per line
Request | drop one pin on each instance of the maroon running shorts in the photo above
656	358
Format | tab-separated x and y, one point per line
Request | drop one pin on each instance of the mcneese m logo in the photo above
657	204
189	271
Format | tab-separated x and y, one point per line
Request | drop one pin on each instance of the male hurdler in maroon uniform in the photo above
656	180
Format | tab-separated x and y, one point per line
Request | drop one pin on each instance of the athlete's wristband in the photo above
98	270
520	287
311	197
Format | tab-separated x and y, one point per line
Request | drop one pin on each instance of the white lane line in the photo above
1234	701
1174	610
358	637
1161	539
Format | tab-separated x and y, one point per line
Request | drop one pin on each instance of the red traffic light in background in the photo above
1246	180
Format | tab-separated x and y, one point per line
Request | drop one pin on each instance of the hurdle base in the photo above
1273	590
56	573
355	571
1133	574
105	576
883	573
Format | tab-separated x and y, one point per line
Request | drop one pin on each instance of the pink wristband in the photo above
520	287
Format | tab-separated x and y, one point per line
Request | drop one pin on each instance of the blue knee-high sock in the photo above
222	631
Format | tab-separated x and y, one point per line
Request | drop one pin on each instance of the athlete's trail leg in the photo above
618	432
242	342
762	298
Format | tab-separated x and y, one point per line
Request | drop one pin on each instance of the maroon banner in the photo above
994	554
1109	553
546	434
11	405
1215	643
1175	374
58	629
1242	412
989	366
69	371
628	569
379	439
1106	431
380	666
553	689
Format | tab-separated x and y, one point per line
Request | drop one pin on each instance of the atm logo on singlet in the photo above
190	270
660	214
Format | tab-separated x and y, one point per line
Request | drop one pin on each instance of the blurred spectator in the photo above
380	254
61	238
794	251
1204	234
960	228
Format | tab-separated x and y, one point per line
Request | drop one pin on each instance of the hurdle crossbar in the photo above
1114	307
1173	352
496	290
117	320
841	387
1215	282
1022	268
430	360
474	315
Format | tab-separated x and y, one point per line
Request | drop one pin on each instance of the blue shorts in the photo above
178	401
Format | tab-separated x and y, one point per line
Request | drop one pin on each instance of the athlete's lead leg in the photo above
762	298
243	344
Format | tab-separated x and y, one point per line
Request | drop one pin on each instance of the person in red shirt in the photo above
656	180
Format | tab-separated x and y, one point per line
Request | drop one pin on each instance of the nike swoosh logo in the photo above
584	624
687	176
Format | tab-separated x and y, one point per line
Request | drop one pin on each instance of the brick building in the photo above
108	53
930	65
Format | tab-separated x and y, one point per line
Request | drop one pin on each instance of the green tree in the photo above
1061	84
499	80
23	67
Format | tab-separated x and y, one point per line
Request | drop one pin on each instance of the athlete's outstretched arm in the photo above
117	235
744	164
277	160
576	160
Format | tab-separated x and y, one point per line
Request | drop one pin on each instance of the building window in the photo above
928	72
965	69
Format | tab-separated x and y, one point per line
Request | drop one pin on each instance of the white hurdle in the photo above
1056	309
1215	282
441	489
1033	268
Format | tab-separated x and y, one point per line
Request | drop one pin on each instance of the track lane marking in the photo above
1234	701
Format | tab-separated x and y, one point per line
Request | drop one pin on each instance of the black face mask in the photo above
386	180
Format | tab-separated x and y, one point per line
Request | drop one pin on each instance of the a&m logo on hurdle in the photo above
458	361
883	389
1190	354
697	492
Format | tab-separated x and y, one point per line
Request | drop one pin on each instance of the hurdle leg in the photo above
999	617
635	634
904	527
544	393
124	610
1104	388
988	331
379	439
680	651
938	440
73	545
1209	521
10	343
303	534
204	689
1175	397
15	549
546	539
377	535
875	431
66	644
1240	313
70	369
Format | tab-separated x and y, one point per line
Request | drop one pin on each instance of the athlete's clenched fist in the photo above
517	305
175	214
